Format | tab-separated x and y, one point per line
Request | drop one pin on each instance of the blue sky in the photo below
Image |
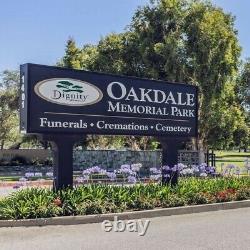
36	31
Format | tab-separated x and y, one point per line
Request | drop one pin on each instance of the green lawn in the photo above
231	157
220	153
16	178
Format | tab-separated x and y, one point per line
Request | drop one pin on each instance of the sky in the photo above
36	31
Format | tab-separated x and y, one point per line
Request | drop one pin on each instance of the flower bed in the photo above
131	173
98	199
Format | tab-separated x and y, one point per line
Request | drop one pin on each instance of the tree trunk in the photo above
16	145
2	144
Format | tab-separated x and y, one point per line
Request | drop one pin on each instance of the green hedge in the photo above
98	199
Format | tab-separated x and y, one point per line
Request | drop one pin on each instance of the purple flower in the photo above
111	175
231	166
29	174
174	169
79	179
155	170
210	170
85	177
187	171
103	171
155	177
203	175
203	165
92	170
131	179
125	169
86	172
38	174
180	166
195	168
96	169
49	174
166	175
136	167
166	168
125	166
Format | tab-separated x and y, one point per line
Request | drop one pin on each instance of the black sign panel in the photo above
59	100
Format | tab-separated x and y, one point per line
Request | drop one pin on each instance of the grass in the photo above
226	162
231	157
221	153
16	178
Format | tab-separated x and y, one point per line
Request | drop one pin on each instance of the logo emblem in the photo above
68	86
70	92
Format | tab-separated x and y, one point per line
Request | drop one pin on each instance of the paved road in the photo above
214	230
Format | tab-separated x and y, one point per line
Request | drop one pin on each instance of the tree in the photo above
72	58
10	79
8	108
178	41
9	117
241	137
244	85
9	86
227	122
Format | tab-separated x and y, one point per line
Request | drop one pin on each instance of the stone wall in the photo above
108	159
112	159
28	154
189	157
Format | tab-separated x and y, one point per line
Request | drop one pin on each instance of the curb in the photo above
86	219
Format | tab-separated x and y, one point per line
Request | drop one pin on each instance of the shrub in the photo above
225	195
243	194
30	203
98	199
174	201
93	207
199	198
142	203
19	160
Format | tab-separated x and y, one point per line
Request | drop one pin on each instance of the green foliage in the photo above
10	136
9	79
227	121
73	55
9	120
31	203
243	86
98	199
179	41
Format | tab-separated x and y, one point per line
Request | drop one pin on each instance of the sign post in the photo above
170	147
62	105
62	148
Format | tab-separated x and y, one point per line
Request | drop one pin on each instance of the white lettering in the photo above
145	95
144	227
110	90
170	98
131	226
43	122
132	93
190	100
